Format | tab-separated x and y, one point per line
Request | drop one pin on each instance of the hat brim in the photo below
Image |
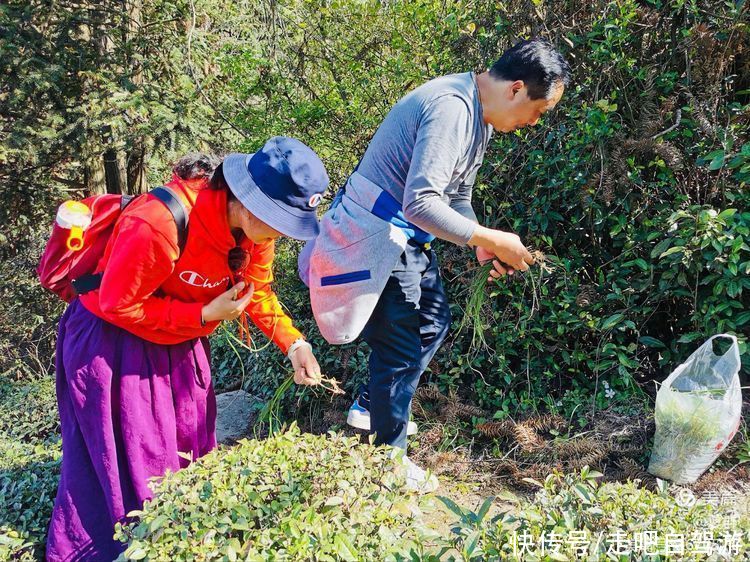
290	221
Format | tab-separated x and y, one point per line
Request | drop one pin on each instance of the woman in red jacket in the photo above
133	371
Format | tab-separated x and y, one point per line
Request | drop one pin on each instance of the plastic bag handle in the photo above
730	336
734	345
681	367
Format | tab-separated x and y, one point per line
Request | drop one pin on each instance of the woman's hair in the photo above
219	182
196	165
237	257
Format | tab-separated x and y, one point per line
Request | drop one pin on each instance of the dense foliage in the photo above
29	467
635	188
629	188
264	500
574	517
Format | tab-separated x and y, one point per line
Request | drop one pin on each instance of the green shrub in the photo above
704	259
29	465
28	410
291	497
576	518
28	484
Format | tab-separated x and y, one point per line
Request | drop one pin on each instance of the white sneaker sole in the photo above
427	486
357	419
417	479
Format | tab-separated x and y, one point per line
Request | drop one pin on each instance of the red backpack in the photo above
69	272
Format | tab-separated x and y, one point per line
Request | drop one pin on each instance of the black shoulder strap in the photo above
178	210
92	281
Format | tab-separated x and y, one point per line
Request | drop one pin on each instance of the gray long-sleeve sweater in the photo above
427	152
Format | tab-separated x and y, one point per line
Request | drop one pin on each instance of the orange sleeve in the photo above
142	259
264	309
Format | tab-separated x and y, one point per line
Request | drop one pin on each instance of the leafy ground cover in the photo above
296	493
30	455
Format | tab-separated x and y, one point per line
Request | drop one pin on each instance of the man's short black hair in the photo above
537	63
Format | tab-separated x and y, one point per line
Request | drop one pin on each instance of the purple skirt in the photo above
127	408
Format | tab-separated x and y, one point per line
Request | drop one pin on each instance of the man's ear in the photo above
516	87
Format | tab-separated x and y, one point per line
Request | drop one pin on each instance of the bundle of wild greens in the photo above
688	429
474	313
271	413
688	418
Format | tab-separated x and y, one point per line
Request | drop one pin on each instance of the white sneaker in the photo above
359	417
418	479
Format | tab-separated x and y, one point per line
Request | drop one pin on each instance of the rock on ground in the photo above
236	414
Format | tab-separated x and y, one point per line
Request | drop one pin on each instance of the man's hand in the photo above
306	368
505	246
227	306
499	270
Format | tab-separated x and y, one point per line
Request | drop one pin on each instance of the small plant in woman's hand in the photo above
228	305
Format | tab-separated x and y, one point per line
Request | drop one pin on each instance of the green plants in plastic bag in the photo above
697	413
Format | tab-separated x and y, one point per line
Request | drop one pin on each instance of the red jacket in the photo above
152	294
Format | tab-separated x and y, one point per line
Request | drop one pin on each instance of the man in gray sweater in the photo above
372	270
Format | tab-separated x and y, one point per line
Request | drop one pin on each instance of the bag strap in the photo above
92	281
88	282
178	210
125	201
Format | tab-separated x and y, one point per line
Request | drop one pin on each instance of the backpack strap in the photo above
92	281
88	282
178	210
125	201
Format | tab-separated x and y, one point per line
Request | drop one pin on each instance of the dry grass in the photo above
615	443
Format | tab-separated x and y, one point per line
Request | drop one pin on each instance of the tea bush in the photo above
28	483
28	410
573	517
29	466
292	497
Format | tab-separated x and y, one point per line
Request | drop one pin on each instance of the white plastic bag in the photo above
697	413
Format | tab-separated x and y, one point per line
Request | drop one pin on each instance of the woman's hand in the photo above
306	368
227	306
